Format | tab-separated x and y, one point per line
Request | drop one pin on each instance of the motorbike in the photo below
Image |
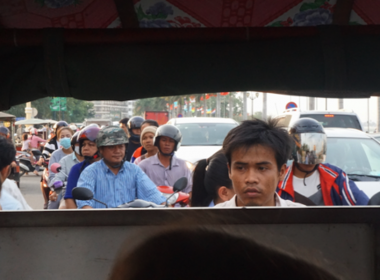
28	161
80	193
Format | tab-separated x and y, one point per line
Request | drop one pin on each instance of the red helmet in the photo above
90	133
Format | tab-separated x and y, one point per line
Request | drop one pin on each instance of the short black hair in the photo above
151	123
8	152
259	132
208	176
124	121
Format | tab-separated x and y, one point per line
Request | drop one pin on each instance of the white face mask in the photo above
77	150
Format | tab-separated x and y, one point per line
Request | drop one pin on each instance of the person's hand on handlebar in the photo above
53	196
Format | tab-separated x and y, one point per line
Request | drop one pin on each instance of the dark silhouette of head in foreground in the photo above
203	254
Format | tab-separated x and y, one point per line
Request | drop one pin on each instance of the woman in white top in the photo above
25	143
146	140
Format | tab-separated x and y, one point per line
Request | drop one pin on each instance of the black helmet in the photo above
170	131
59	125
310	141
74	139
134	122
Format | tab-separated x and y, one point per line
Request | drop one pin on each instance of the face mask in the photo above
77	150
65	143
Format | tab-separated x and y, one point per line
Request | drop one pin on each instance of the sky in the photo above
276	105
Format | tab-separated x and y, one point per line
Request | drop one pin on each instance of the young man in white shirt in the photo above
257	152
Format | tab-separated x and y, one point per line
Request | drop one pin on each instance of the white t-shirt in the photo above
279	203
11	188
312	184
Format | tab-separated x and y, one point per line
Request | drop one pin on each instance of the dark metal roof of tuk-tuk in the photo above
120	50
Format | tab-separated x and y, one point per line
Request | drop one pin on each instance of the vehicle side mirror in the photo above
81	193
180	184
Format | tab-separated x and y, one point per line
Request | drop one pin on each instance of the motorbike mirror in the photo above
55	167
375	199
180	184
81	193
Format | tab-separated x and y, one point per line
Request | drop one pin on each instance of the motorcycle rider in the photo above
7	155
324	184
35	144
164	168
4	132
15	171
67	162
89	151
141	150
52	145
113	180
134	131
257	152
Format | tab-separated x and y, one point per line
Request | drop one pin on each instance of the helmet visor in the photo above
310	148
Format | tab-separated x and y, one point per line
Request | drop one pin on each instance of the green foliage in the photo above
149	104
312	6
77	110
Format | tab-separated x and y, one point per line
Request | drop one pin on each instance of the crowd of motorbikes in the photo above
27	162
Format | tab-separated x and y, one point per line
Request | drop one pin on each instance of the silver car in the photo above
201	137
358	154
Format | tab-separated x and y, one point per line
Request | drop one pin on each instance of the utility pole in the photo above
218	104
311	103
231	105
264	105
340	103
368	114
244	105
326	104
204	106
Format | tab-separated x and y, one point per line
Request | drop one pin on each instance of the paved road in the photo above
30	188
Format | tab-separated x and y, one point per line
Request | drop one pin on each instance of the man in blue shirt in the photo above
112	180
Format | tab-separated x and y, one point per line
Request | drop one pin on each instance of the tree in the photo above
77	110
149	104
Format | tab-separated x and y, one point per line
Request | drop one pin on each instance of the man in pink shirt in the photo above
34	139
34	143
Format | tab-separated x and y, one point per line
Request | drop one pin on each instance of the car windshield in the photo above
359	156
204	134
331	120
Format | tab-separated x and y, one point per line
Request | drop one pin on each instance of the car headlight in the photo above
190	166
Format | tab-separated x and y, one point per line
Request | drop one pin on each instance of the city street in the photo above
30	188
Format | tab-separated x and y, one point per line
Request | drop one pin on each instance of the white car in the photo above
326	118
201	137
357	154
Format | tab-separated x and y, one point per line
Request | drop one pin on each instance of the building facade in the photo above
115	110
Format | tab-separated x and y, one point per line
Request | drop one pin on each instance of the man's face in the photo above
113	154
124	127
4	135
166	144
136	131
89	148
255	176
